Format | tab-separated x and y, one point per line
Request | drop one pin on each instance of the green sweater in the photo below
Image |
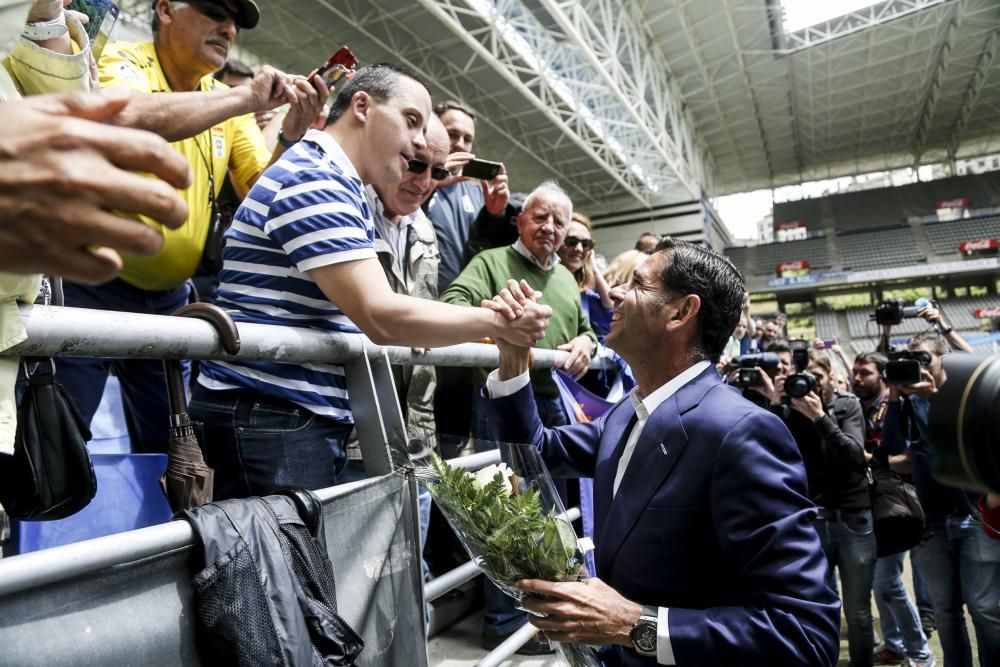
488	273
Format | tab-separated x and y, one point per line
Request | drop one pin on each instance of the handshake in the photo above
522	320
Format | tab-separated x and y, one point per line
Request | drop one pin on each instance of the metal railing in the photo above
60	331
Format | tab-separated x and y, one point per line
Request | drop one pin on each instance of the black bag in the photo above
899	518
50	475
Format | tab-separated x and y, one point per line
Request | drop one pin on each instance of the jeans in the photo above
848	540
901	631
961	565
500	613
258	444
922	596
143	382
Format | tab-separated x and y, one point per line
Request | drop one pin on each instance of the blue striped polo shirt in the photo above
306	211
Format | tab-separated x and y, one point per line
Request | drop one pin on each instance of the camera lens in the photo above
964	422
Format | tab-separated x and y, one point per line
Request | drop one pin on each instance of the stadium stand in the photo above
895	246
944	237
815	251
826	324
808	211
741	256
867	208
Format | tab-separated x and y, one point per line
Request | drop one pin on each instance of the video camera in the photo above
965	423
904	366
800	383
750	366
894	311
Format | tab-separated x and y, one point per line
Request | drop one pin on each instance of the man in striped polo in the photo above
301	253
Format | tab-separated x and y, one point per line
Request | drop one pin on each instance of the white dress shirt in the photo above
643	407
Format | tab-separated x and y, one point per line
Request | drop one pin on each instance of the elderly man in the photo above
211	125
542	226
301	252
706	549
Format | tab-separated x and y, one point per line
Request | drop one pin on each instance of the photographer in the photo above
829	430
893	312
960	564
903	626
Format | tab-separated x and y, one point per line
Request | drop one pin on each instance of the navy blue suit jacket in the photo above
712	519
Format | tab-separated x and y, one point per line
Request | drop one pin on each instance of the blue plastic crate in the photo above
129	496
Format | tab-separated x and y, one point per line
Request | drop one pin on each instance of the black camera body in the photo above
800	383
894	311
904	366
749	367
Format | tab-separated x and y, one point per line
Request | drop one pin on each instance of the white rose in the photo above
486	475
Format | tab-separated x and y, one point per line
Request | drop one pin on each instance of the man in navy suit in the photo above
706	550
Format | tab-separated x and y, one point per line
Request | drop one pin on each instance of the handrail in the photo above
39	568
84	332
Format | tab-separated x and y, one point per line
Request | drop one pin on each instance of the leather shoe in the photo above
537	645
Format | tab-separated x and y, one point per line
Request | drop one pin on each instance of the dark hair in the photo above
876	358
695	269
379	81
448	105
234	67
778	345
645	235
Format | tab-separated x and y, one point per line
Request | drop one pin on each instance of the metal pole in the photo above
501	653
83	332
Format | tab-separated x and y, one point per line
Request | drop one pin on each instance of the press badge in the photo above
219	142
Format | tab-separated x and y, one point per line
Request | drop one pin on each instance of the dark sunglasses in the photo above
217	12
571	242
419	167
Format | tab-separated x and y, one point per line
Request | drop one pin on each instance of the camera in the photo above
894	311
750	366
800	383
904	366
965	423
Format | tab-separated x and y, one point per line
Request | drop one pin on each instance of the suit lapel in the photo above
660	446
620	421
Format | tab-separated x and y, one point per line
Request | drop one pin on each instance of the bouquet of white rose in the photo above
513	525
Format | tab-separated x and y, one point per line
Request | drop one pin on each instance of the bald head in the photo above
438	142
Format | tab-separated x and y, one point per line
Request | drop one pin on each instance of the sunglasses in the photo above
216	12
419	167
571	242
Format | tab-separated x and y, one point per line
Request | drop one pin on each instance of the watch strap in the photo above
43	30
648	622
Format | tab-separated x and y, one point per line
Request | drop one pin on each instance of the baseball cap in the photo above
247	12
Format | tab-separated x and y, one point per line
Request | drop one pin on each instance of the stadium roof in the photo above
649	101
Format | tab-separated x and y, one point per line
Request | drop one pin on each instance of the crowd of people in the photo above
166	172
846	427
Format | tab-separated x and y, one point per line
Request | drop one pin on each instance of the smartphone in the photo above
341	63
481	169
103	17
829	342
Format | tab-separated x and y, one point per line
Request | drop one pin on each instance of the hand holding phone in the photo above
481	169
340	64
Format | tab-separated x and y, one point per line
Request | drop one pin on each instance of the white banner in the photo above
917	270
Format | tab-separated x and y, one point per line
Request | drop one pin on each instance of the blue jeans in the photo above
500	613
143	382
901	631
922	597
258	444
961	565
848	540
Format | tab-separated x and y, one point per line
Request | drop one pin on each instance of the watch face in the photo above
645	637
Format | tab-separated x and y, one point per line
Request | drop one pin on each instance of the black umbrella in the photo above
188	481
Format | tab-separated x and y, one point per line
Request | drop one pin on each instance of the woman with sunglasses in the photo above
577	255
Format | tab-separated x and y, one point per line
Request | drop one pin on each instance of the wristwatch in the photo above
643	633
43	30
